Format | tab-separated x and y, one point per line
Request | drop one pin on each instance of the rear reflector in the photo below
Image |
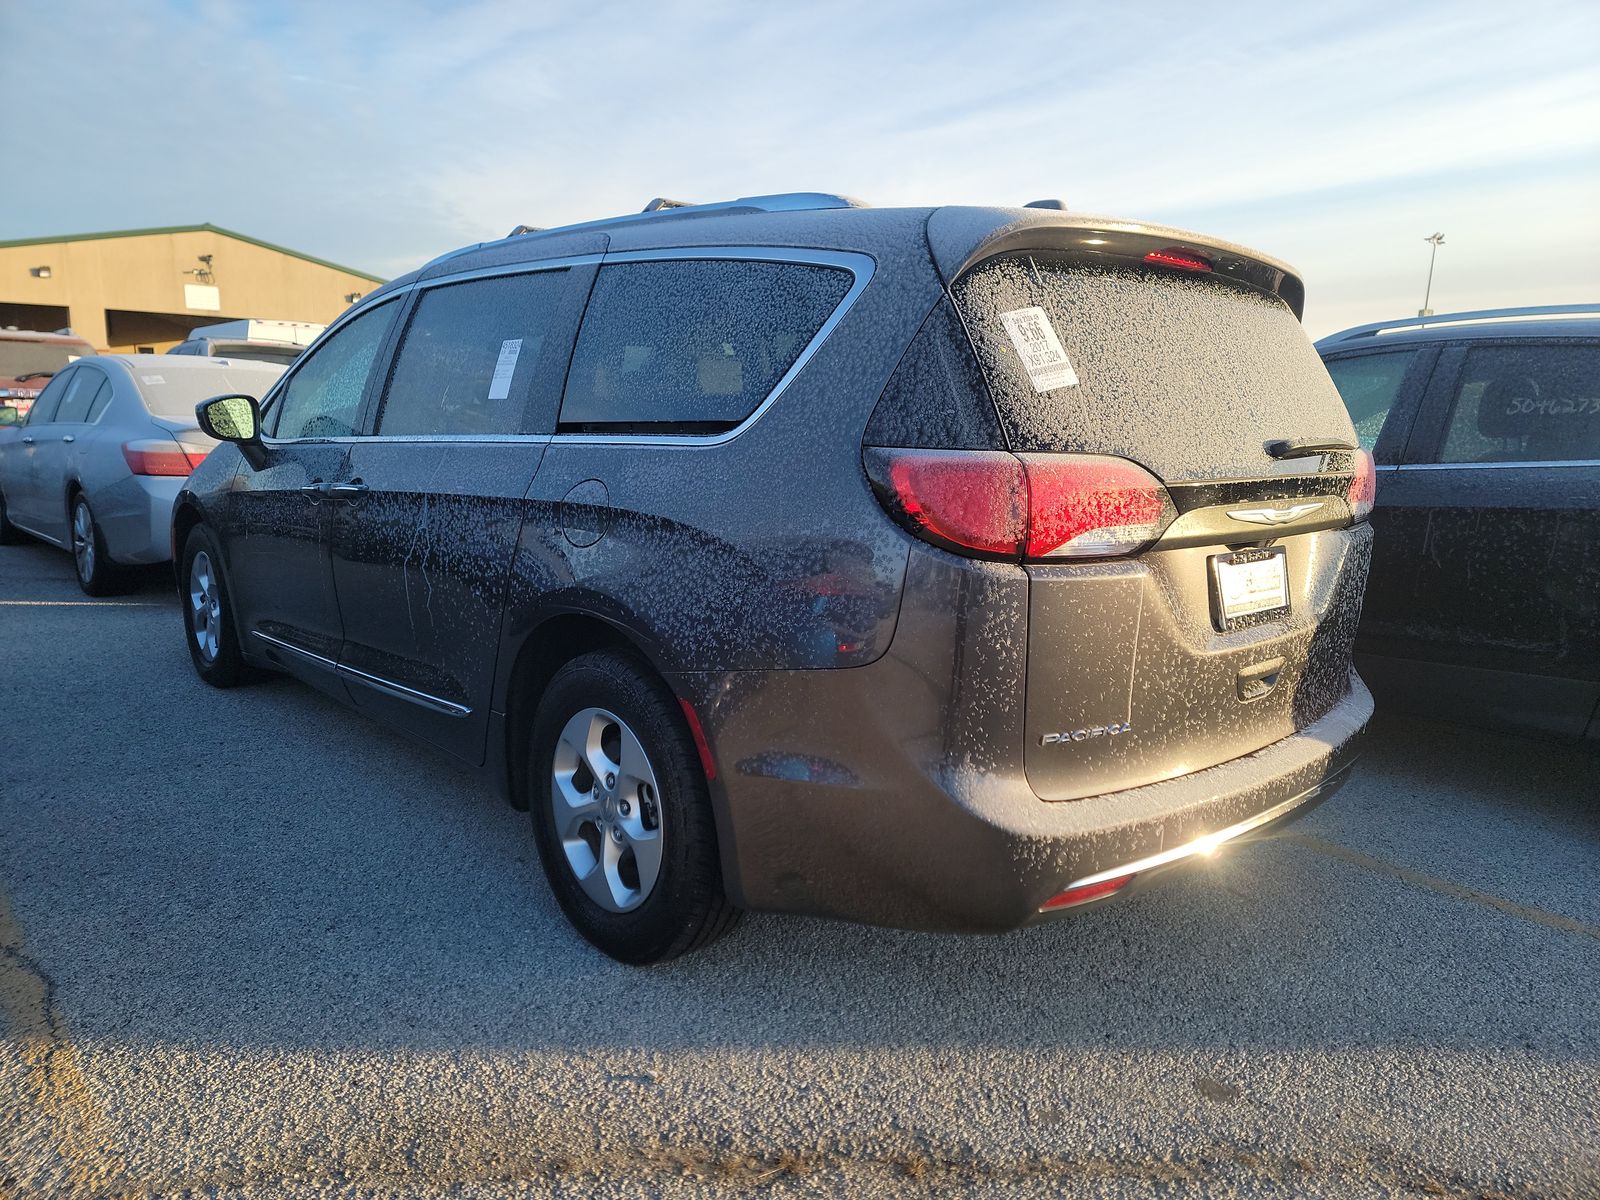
1183	260
152	456
989	503
1363	492
1086	893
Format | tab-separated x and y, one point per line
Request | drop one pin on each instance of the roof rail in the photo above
1461	318
661	207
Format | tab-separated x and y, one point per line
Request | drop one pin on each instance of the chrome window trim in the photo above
521	268
1539	463
861	267
377	682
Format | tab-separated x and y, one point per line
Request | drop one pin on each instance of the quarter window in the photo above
692	346
101	399
322	398
80	394
1370	385
1528	403
472	355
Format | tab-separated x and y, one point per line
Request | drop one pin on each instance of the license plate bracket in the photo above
1249	587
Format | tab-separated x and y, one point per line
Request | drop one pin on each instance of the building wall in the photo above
141	279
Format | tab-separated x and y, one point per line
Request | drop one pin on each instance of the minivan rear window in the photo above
692	345
1186	373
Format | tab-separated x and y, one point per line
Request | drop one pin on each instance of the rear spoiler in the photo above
959	238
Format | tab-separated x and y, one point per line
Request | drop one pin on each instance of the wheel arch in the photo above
546	647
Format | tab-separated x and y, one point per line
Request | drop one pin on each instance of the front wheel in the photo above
207	617
622	814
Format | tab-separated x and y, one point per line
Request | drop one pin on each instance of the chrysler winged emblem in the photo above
1274	516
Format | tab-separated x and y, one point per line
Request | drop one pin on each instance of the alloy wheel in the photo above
83	540
205	605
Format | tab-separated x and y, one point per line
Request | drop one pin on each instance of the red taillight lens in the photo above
992	503
152	456
1183	260
1363	492
958	499
1088	506
1086	893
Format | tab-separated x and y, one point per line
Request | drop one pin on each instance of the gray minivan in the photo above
943	568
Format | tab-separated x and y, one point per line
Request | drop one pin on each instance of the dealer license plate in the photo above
1249	586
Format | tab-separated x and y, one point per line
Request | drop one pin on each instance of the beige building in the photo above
144	289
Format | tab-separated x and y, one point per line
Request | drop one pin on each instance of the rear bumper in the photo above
941	848
135	515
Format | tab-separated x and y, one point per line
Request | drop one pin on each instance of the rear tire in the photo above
10	535
622	814
97	574
208	628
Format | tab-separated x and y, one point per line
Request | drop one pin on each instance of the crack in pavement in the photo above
56	1120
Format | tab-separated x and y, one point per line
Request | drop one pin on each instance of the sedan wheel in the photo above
97	574
83	540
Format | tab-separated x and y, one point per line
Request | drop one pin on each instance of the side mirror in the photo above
230	418
234	419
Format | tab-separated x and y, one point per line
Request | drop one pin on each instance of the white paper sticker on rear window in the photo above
504	368
153	378
1042	354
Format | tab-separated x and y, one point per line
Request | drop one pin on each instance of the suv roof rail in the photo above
1462	318
780	202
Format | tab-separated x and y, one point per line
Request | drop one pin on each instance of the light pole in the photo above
1435	240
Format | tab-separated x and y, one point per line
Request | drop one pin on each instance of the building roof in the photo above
206	228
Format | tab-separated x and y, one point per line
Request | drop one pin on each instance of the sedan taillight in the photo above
1363	493
152	456
993	504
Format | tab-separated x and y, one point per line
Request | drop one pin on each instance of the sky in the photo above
1336	136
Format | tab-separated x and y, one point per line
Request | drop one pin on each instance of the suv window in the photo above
472	354
44	408
692	345
1369	385
323	398
1529	403
101	399
80	393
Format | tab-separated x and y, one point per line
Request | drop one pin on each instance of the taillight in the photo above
989	503
1183	260
152	456
1363	493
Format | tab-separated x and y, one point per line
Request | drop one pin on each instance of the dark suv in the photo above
1484	603
942	568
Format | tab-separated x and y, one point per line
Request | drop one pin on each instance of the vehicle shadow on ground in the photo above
262	868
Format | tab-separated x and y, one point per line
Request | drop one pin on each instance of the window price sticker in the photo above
504	368
1042	354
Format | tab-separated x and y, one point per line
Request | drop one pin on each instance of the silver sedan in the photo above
103	453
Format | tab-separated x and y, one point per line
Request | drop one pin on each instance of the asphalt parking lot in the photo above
252	945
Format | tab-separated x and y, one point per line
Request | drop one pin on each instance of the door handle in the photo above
352	491
27	441
315	491
67	437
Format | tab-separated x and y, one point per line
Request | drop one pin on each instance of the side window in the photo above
1529	403
44	408
473	353
79	395
1369	384
101	399
692	346
323	397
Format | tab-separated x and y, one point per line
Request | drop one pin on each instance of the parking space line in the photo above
82	603
1443	886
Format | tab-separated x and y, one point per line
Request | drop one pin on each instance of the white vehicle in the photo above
263	341
102	455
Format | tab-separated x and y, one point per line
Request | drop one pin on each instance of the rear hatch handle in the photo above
1305	447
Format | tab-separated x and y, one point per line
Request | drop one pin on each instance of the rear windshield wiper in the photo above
34	375
1304	447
